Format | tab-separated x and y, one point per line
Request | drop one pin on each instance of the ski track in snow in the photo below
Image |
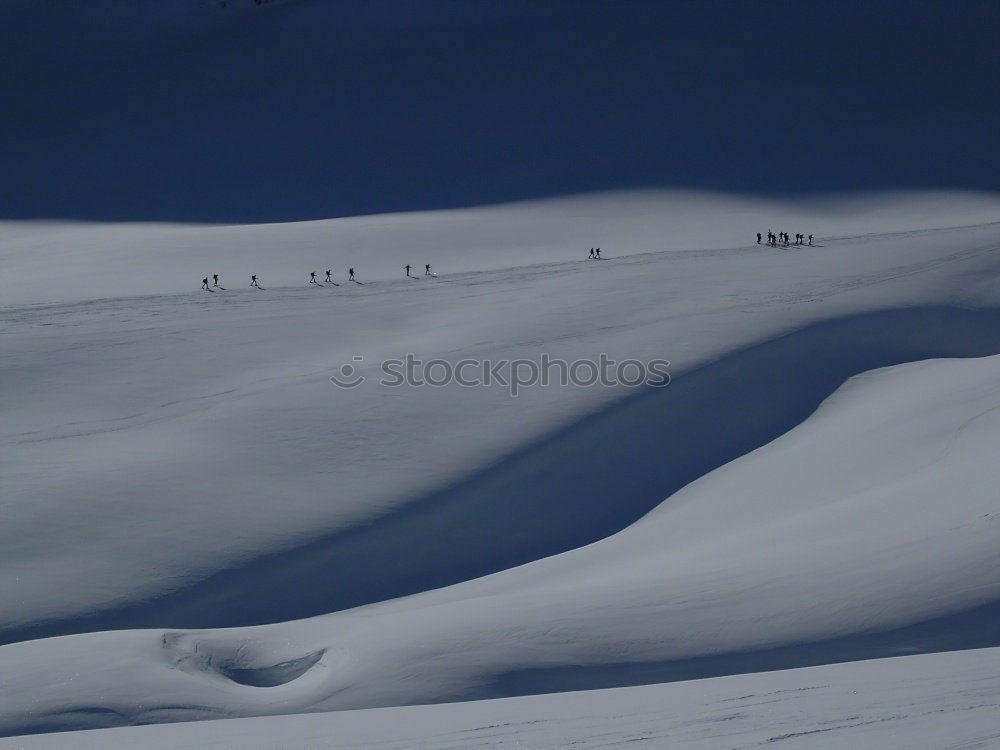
180	461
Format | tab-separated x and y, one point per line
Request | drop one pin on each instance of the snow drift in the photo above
926	702
762	563
814	485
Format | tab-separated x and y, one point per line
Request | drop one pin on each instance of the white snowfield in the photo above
817	484
63	261
930	702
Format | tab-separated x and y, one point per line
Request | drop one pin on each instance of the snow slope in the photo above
905	703
870	529
179	461
138	430
62	261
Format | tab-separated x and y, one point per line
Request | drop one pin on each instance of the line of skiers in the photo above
329	277
782	238
217	285
595	254
427	270
312	277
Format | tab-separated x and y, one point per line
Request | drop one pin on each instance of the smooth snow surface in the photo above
923	702
49	261
816	484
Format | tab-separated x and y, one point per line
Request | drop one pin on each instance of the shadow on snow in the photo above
575	486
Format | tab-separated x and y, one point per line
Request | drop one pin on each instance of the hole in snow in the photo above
274	675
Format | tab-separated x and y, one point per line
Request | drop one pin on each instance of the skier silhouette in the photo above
204	283
427	269
253	282
350	275
407	267
591	256
758	238
810	240
312	278
597	253
215	279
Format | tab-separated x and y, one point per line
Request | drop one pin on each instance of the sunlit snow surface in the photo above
908	703
817	484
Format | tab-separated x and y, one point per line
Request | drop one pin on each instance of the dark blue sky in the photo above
180	110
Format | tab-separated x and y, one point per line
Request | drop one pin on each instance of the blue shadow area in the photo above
550	496
298	109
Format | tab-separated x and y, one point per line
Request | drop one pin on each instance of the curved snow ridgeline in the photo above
543	499
816	484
